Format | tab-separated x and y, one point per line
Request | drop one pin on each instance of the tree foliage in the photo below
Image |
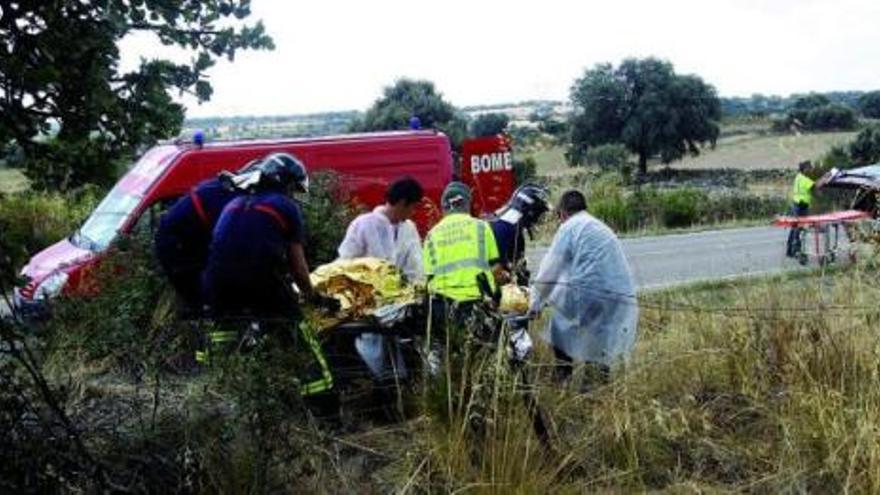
67	105
608	156
869	104
408	98
489	124
865	149
646	106
817	112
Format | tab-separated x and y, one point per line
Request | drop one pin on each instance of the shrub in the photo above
327	211
869	104
865	149
836	157
681	208
608	156
524	169
831	117
30	221
657	207
114	325
615	211
489	124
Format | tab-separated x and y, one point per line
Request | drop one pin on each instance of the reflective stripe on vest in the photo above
268	210
200	209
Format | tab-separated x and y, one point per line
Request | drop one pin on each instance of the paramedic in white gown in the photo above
586	280
387	233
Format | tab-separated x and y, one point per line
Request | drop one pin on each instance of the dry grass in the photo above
764	386
769	387
755	151
751	151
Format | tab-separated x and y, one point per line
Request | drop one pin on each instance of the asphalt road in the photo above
663	261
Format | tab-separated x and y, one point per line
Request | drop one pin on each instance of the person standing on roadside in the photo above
801	198
586	280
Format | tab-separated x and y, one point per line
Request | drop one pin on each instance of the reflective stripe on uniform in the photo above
200	209
481	243
222	337
432	253
324	383
202	357
482	264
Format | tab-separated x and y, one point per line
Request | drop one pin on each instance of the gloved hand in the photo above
326	303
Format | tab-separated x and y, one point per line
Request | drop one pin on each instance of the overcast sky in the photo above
337	55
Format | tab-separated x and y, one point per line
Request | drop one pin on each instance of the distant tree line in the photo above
765	105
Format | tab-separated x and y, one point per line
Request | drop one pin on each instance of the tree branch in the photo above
146	26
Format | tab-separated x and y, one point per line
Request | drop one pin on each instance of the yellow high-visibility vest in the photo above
456	250
801	191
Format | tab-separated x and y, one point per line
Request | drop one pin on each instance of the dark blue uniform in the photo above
249	267
511	242
184	235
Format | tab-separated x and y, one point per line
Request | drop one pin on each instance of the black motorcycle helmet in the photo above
530	201
282	171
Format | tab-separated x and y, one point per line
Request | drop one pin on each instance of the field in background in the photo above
755	151
749	151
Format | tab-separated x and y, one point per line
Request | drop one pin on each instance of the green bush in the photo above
327	211
30	221
489	124
608	156
115	323
524	169
615	211
836	157
682	207
625	210
831	117
865	149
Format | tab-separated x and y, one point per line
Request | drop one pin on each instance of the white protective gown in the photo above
586	279
373	235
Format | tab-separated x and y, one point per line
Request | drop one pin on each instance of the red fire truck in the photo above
366	163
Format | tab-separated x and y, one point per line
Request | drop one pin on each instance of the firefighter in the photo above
257	250
521	212
257	246
461	258
183	236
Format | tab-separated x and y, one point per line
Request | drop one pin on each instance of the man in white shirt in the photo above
389	234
